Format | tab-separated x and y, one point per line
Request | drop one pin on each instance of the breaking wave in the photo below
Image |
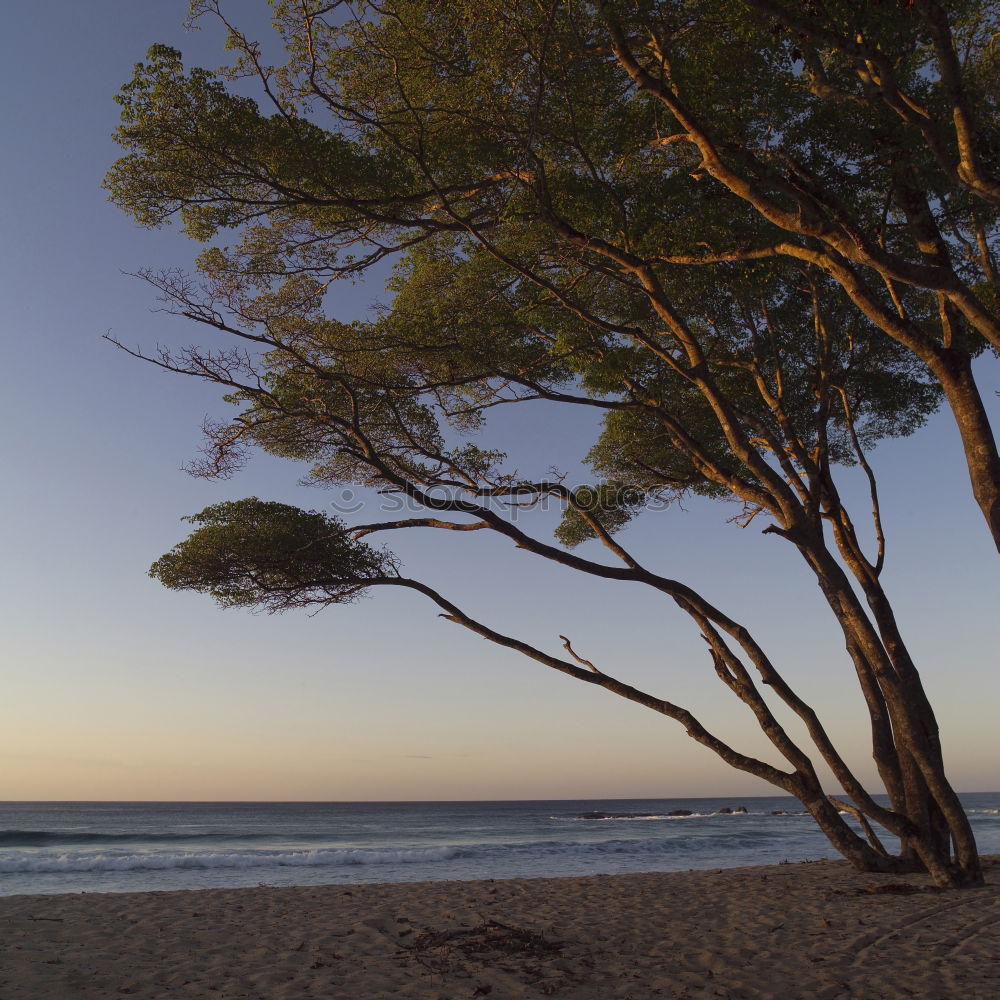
81	862
84	861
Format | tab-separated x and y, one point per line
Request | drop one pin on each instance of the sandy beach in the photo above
816	930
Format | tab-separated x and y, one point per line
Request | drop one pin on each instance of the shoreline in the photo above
813	929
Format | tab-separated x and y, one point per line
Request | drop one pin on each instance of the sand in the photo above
814	930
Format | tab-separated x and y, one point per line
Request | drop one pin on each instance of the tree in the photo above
564	230
878	169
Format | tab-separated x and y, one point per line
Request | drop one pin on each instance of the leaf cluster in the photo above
261	554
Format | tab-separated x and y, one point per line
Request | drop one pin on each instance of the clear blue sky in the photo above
114	688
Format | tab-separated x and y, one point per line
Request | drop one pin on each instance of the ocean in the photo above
50	847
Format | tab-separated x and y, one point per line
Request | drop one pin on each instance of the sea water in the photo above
141	846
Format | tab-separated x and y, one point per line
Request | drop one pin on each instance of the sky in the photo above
114	688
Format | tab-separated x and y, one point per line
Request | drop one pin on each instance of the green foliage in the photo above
546	219
189	140
259	554
611	505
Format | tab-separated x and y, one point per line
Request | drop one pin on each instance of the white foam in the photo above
82	862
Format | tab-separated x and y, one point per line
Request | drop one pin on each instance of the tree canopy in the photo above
253	553
757	239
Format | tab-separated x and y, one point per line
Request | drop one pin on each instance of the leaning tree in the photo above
566	231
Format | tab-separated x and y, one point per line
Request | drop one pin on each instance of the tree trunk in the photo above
954	370
935	818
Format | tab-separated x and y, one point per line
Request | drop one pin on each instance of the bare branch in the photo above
579	659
